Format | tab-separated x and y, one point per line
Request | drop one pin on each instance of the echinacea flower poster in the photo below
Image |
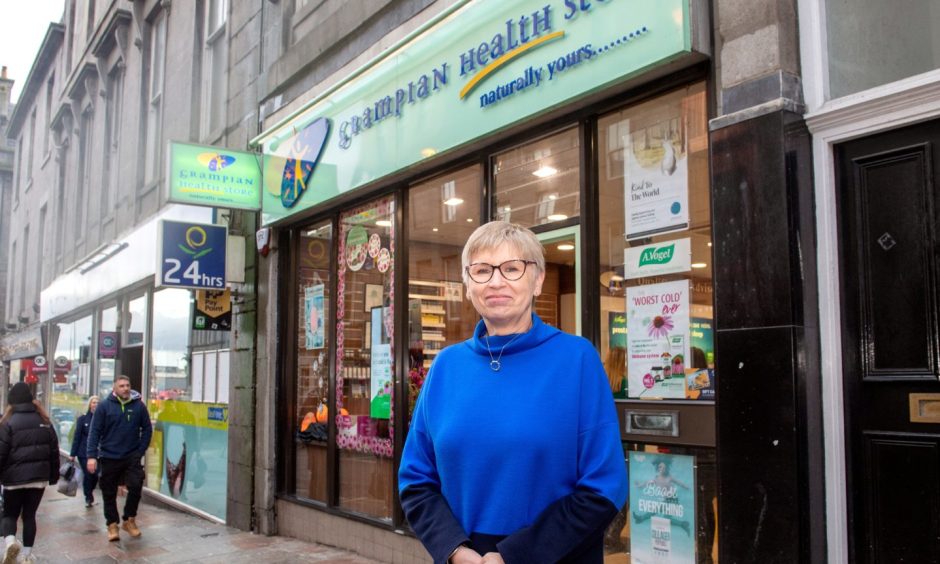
657	332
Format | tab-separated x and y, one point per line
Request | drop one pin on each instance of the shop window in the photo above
72	379
857	63
656	308
539	182
107	346
188	455
311	414
365	359
442	213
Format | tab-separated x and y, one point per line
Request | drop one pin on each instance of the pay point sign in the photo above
192	255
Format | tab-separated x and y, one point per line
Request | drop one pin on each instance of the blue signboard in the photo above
192	255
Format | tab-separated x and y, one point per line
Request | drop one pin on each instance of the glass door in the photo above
558	304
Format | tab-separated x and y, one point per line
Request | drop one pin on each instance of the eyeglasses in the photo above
512	270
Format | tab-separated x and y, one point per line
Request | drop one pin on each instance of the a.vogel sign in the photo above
659	258
489	65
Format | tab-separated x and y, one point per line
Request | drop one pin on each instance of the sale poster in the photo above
314	317
662	508
658	339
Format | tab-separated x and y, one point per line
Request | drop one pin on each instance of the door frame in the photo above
830	122
565	233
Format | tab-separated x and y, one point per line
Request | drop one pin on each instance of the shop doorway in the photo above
131	365
559	303
888	196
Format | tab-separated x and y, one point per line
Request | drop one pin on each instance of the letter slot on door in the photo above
659	423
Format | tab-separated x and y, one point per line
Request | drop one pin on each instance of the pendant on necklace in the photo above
494	365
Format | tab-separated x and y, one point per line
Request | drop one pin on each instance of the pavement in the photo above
68	532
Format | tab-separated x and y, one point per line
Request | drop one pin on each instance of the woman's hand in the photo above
493	558
466	555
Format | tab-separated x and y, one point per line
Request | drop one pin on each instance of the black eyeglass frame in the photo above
499	267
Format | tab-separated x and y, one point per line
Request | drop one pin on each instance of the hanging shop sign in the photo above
192	255
660	258
662	508
21	345
657	339
213	176
107	344
488	65
212	310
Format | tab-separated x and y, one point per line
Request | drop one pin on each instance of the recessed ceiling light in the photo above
434	229
384	223
507	209
552	197
544	171
698	265
557	217
428	152
469	220
566	247
455	201
709	243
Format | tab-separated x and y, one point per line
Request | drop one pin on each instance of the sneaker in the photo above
113	532
11	552
29	558
131	527
89	503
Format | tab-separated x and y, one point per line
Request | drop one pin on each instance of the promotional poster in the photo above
662	508
658	339
314	316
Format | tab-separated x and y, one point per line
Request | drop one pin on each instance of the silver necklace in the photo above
494	362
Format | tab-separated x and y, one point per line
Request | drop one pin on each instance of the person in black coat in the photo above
29	460
79	450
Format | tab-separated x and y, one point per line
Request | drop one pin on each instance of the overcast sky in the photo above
23	24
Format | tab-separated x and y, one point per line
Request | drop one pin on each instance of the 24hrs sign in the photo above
192	255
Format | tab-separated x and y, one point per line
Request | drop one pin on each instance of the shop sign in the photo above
107	344
213	176
213	310
660	258
489	65
40	365
61	366
192	255
24	344
662	508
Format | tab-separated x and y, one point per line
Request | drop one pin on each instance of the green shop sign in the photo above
214	176
479	69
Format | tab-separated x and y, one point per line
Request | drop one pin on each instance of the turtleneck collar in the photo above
536	335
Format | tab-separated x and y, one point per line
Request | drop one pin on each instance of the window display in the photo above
72	386
656	269
313	367
364	358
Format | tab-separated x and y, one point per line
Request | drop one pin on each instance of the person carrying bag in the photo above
29	461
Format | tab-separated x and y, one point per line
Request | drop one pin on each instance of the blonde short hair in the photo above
496	233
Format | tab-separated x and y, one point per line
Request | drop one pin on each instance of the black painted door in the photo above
888	204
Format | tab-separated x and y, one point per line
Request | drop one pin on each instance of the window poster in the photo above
656	180
700	382
657	339
381	407
662	508
314	316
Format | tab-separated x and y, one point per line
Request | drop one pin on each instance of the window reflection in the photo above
71	382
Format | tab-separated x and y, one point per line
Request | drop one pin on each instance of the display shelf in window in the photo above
429	298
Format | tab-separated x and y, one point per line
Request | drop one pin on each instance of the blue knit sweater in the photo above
527	460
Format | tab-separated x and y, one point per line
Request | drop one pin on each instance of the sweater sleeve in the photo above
94	431
79	433
601	489
425	507
146	430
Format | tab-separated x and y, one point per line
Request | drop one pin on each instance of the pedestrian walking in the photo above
29	461
80	450
117	440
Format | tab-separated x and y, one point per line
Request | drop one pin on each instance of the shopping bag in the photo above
70	475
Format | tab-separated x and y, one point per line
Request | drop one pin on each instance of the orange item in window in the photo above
323	414
309	418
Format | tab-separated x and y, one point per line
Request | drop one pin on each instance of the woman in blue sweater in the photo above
543	474
79	450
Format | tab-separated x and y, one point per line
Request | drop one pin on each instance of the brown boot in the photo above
113	532
131	527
